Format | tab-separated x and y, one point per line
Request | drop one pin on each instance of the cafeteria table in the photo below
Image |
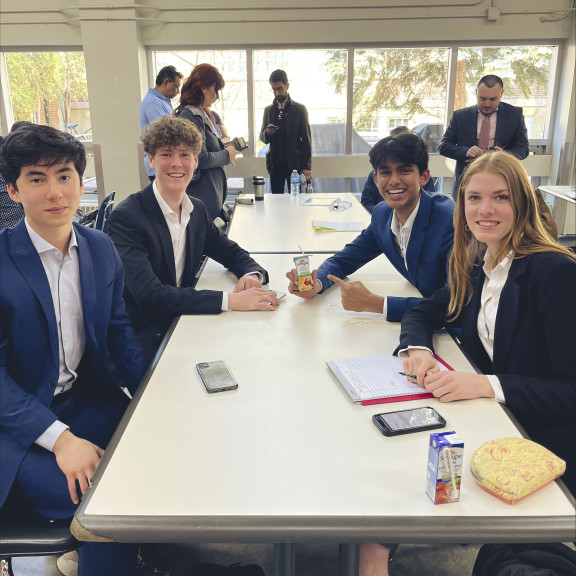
288	457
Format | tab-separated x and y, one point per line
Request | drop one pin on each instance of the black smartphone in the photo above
408	421
216	376
239	143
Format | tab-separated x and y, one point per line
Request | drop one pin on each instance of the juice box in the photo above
302	265
444	470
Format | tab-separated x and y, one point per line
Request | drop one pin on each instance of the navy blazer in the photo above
462	134
139	230
427	257
534	341
29	356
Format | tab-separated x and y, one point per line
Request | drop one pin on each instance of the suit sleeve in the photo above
306	136
420	322
263	136
370	194
552	396
143	284
206	158
449	146
225	251
122	344
361	250
519	145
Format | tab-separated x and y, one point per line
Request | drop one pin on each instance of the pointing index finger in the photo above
337	280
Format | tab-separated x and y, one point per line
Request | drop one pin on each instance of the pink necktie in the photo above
484	138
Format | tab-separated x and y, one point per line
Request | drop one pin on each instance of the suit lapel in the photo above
507	316
28	262
155	216
417	235
501	124
87	285
389	247
472	126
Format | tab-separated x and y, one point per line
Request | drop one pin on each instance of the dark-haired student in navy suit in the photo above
412	228
66	345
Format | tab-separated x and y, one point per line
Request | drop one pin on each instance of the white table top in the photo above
288	457
567	193
280	223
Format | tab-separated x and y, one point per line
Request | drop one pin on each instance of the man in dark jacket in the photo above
489	124
286	128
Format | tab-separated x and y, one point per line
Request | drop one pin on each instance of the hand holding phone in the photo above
216	376
408	421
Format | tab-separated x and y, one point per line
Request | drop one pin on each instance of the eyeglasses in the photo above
279	89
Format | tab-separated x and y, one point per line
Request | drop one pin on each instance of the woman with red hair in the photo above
199	92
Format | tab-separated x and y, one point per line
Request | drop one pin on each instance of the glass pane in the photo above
398	87
232	105
310	84
527	73
50	88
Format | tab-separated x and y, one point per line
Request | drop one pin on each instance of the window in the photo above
400	87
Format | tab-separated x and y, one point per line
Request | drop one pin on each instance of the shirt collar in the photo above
397	225
186	203
42	245
159	95
504	265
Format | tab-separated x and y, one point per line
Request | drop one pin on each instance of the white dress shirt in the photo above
63	274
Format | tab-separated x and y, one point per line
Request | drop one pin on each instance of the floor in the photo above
311	559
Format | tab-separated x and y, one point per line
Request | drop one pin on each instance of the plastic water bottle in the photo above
294	183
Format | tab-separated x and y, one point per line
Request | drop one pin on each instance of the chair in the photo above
104	212
24	533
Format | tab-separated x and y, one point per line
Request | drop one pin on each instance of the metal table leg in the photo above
284	564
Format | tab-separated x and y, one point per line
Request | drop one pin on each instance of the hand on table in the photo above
293	285
247	282
78	459
357	298
253	299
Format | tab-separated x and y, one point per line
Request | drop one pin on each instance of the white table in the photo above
280	223
288	457
563	206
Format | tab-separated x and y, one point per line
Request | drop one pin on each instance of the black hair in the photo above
404	148
279	76
490	80
168	73
19	124
33	144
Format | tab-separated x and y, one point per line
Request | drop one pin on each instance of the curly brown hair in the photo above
171	132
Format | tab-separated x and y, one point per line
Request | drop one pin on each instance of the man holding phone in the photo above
162	234
286	129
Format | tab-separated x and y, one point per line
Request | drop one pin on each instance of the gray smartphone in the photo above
216	376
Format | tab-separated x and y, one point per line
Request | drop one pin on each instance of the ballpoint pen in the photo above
413	376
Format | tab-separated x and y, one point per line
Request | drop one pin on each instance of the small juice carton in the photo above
444	470
302	265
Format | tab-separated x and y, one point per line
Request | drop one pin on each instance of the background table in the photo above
279	224
288	457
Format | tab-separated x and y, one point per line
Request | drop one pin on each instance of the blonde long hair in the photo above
533	231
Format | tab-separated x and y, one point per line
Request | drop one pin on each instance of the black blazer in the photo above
462	134
534	340
140	233
298	139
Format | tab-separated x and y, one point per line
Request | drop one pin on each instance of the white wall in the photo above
114	38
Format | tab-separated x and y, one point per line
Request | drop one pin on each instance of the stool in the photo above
24	533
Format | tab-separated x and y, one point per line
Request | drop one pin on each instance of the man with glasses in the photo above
489	124
158	102
286	129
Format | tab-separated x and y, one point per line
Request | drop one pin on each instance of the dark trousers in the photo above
42	486
280	179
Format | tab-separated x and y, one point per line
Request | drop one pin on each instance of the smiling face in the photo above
174	168
50	196
399	185
488	209
488	99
